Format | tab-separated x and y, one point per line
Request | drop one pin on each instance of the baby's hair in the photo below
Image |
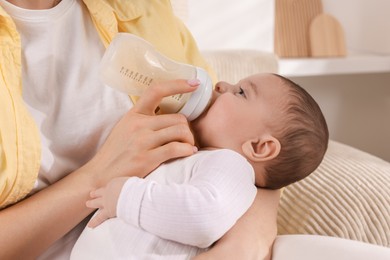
303	137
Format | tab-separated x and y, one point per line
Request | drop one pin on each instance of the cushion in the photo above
348	196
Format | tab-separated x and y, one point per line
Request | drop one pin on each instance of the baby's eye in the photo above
242	92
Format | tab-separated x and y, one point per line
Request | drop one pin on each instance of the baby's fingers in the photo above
98	219
96	193
95	203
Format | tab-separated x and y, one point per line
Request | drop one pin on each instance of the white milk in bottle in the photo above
131	64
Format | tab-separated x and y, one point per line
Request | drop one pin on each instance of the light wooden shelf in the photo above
352	64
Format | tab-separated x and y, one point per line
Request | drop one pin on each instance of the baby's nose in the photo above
221	87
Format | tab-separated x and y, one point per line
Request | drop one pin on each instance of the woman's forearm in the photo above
253	235
31	226
263	216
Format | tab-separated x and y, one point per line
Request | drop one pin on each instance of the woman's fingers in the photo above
129	149
172	150
156	122
174	133
148	132
153	95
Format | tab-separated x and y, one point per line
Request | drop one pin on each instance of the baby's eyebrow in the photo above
254	88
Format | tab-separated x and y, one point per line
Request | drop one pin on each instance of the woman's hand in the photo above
141	140
253	234
139	143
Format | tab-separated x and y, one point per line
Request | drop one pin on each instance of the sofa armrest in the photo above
309	247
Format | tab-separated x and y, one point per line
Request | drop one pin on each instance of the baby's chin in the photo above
196	133
199	126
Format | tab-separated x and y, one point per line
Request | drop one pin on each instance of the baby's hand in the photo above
105	199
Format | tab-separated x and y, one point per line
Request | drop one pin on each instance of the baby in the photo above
265	131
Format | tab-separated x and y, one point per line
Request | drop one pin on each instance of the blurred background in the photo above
353	91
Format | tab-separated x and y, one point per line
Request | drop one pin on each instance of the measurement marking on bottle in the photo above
135	76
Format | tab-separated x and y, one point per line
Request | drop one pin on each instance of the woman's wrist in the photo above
253	234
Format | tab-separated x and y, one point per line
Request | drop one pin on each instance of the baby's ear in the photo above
261	149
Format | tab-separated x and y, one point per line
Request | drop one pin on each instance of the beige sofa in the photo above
348	196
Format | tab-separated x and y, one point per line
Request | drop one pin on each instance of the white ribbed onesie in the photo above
182	206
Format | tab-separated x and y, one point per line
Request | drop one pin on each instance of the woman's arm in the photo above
253	235
137	144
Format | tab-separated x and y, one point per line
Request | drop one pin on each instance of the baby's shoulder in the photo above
224	157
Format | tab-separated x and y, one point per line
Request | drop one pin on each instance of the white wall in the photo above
366	23
357	106
227	24
232	24
357	109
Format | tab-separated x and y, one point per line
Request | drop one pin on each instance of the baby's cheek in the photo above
229	109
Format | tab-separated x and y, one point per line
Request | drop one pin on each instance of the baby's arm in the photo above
197	213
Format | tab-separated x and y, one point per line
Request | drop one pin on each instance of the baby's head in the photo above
303	135
271	121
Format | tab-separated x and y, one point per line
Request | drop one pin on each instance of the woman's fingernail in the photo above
195	149
193	82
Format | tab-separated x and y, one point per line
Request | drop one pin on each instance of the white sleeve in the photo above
197	213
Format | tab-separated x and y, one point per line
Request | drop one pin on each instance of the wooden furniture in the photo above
303	30
326	37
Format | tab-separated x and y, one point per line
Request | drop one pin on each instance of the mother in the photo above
63	133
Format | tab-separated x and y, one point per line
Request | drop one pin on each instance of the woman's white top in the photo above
181	207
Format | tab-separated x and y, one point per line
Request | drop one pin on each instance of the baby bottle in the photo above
131	64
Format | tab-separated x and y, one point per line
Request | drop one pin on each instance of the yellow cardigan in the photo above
20	150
